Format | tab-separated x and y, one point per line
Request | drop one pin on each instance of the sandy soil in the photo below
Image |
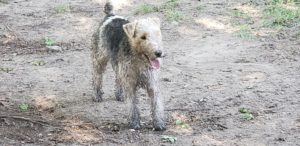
208	75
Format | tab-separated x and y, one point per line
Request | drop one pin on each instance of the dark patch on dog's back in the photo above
115	35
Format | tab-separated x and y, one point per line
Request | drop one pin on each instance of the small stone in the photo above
280	139
54	48
166	80
9	59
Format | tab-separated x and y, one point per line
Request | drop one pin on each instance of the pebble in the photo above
54	48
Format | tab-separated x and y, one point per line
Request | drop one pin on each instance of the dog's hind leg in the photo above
119	93
99	64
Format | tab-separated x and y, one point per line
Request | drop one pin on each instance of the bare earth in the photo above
208	75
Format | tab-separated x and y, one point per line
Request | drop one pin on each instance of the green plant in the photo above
281	13
182	124
24	106
244	110
170	4
168	8
6	69
244	32
62	8
49	41
199	8
170	12
282	1
3	2
246	114
38	63
239	14
147	8
174	15
167	138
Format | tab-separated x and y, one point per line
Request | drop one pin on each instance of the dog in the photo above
135	50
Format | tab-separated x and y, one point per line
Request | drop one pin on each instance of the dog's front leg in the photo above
157	107
134	114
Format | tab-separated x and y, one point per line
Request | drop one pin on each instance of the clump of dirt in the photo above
74	129
45	103
23	127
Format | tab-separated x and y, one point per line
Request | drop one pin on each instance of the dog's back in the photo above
114	34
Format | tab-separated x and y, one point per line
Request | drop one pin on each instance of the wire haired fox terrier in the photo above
135	51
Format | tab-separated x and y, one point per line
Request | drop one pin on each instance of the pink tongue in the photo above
155	63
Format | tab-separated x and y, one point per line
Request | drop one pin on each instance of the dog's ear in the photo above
129	28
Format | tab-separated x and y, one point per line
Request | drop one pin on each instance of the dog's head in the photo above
146	40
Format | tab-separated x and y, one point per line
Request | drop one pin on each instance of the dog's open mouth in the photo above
154	63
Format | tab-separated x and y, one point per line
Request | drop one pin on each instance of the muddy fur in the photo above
134	49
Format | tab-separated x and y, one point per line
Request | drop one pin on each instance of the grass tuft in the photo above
168	138
39	63
6	69
245	33
239	14
170	12
282	13
49	41
171	4
3	2
24	107
146	8
181	124
283	1
246	114
199	8
174	15
169	9
63	8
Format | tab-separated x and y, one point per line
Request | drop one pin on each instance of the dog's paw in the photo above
120	98
135	126
98	97
159	126
119	95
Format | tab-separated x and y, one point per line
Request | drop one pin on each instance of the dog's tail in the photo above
108	8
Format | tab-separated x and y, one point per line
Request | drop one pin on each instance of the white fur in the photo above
110	19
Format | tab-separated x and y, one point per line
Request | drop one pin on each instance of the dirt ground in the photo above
208	75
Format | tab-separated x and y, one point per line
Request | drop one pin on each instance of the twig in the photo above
184	109
80	124
27	119
113	141
13	32
8	28
222	126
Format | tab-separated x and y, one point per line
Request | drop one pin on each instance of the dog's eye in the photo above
144	37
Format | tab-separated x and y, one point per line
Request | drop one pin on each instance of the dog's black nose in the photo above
158	53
